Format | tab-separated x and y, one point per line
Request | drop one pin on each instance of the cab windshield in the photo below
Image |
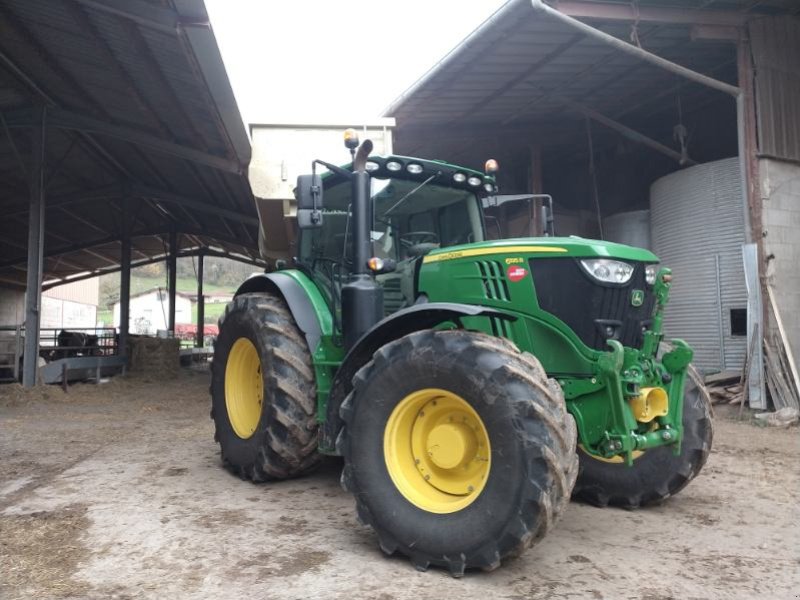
409	220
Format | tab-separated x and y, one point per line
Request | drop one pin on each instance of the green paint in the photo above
573	245
598	384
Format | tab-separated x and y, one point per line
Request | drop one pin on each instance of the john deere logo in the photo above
637	297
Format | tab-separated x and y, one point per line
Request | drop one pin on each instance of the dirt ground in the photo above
116	491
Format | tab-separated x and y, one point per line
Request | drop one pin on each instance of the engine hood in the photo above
572	246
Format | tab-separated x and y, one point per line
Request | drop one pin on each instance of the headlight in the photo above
650	272
607	270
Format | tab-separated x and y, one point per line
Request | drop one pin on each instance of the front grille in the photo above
493	279
589	307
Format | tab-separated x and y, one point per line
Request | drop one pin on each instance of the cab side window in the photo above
454	225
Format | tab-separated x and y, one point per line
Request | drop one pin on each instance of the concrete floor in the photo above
116	491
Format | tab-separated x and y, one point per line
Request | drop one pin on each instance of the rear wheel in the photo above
657	473
262	391
458	449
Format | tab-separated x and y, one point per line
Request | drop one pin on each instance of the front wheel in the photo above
657	473
458	449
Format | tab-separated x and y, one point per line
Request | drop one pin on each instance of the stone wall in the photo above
780	192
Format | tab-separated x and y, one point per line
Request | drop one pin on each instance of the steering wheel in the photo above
412	238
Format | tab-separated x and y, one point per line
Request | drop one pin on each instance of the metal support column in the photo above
33	291
172	267
201	302
125	281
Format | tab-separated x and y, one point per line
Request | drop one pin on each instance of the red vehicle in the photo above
188	331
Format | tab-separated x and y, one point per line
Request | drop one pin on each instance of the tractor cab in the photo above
417	206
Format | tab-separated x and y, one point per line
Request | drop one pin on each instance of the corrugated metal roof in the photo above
509	79
515	63
139	106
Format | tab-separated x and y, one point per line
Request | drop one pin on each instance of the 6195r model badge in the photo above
637	298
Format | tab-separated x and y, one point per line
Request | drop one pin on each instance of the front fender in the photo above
395	326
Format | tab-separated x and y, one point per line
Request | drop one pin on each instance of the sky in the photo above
317	60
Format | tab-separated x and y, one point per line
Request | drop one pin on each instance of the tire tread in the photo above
290	447
544	407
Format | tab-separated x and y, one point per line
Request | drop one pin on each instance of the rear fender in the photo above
296	297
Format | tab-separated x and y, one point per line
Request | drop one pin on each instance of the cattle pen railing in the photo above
10	352
63	342
68	353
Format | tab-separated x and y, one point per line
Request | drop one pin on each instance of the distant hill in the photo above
221	275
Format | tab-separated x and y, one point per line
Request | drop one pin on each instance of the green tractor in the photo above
471	386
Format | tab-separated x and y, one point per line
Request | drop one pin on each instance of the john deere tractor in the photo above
471	386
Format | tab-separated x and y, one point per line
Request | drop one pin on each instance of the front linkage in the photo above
643	398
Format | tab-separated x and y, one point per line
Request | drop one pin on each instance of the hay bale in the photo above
154	358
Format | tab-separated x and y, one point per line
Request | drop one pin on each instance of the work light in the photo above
650	272
351	138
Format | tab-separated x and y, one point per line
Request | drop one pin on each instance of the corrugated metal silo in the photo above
698	228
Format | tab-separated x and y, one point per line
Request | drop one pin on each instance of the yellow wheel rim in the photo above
244	388
437	451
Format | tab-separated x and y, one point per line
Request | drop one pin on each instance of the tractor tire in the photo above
493	464
657	473
263	395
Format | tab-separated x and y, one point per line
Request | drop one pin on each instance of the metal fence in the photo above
56	344
10	352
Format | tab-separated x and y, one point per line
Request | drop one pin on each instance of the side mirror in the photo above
309	201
